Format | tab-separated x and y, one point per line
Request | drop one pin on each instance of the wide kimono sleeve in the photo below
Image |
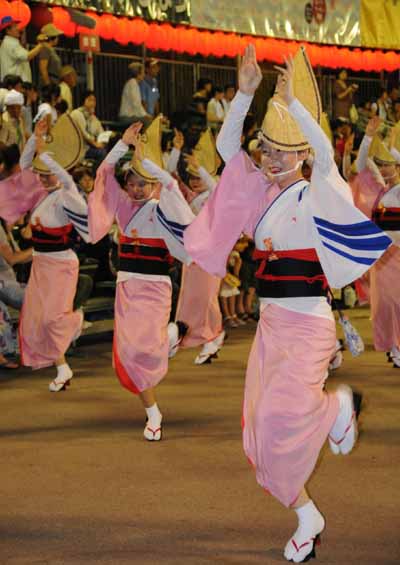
22	191
346	241
108	201
172	213
234	207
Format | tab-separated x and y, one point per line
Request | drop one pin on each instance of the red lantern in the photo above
41	16
107	26
121	31
4	8
20	11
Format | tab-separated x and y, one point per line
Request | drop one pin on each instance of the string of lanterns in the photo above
183	39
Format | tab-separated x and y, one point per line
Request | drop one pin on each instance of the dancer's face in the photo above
197	185
138	189
389	172
278	164
50	182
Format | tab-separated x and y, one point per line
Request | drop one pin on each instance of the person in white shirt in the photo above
12	117
215	110
229	94
90	126
132	109
69	79
50	95
14	59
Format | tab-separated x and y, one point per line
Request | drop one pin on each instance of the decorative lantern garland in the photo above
182	39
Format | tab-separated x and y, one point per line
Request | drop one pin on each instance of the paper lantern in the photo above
121	31
41	16
107	26
20	11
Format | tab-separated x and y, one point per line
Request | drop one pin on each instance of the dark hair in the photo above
49	91
201	83
11	81
136	70
62	106
166	137
80	172
86	94
29	86
217	89
11	156
228	86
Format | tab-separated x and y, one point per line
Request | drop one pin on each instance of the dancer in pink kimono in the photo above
151	233
381	198
198	304
48	323
307	235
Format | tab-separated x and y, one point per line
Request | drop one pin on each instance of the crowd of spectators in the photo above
53	93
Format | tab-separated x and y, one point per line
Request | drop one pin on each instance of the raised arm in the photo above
29	150
250	76
371	129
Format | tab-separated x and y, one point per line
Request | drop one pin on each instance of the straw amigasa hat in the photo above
379	152
326	126
65	145
206	153
151	149
279	128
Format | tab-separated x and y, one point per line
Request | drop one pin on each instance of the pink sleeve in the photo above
19	194
106	203
234	207
366	191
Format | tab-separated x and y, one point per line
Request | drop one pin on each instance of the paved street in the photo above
79	485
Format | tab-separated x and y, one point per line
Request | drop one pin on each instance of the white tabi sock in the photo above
311	523
64	372
154	415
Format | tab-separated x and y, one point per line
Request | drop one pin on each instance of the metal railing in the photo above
178	79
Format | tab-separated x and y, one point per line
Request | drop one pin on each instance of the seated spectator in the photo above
215	110
9	160
229	94
50	96
149	87
12	116
381	106
10	82
393	98
14	58
69	80
8	342
90	126
11	291
28	110
197	110
49	61
132	109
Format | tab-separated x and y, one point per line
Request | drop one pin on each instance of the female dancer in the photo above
48	323
306	235
151	231
198	304
383	201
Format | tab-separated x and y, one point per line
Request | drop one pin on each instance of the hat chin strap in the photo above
283	173
144	199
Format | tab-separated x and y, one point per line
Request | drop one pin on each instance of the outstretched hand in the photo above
373	126
130	134
250	75
284	86
192	160
41	128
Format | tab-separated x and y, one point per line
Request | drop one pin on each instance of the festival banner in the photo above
380	24
322	21
176	11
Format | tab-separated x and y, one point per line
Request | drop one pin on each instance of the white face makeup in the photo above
197	185
138	189
388	171
50	182
278	164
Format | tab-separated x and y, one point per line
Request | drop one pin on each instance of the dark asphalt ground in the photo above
79	485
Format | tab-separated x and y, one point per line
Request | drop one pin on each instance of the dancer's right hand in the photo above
250	75
41	128
130	134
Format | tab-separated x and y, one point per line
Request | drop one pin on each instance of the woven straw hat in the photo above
380	153
151	150
279	128
206	153
65	145
326	126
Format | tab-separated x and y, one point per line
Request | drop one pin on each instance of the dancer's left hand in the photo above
284	85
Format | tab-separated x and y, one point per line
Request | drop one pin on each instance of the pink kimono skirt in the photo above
286	415
198	306
140	348
385	300
48	323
